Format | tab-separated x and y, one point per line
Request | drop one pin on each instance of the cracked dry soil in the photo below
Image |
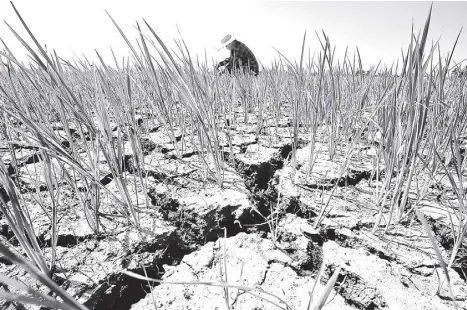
182	235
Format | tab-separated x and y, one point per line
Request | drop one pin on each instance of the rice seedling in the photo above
438	254
319	304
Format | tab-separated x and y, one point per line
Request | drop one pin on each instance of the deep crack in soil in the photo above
192	231
120	291
352	179
443	233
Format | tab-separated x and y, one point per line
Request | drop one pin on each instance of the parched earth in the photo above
267	210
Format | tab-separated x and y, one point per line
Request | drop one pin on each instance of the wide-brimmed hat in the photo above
227	39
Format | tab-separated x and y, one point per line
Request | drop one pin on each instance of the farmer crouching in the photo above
241	57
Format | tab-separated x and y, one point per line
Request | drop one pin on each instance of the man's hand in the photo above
220	70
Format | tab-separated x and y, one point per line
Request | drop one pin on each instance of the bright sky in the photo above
379	29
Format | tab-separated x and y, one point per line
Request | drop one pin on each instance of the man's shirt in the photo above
241	57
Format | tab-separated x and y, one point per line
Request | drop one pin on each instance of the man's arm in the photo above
224	62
